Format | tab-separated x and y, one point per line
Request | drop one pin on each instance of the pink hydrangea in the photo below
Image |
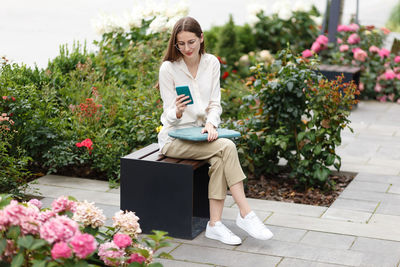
316	47
122	240
61	250
398	76
397	59
374	49
384	53
110	254
322	39
24	217
11	248
382	98
45	215
389	74
354	27
59	229
14	212
354	39
307	53
63	204
36	203
3	220
83	245
343	48
343	28
359	54
136	258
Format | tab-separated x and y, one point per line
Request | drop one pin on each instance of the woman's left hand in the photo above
211	130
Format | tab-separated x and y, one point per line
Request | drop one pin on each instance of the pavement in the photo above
361	228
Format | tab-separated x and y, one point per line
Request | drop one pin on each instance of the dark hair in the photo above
187	24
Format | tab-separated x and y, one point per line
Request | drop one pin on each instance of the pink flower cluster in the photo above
25	217
359	54
348	28
63	204
59	229
83	245
111	254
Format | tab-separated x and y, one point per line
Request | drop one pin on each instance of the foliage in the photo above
72	233
228	45
273	32
393	22
296	116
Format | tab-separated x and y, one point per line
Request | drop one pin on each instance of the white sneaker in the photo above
221	233
254	226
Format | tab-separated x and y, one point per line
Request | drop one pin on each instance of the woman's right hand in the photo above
181	102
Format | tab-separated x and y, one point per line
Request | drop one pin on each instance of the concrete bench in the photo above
165	193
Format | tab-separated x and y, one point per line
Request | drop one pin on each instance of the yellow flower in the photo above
159	128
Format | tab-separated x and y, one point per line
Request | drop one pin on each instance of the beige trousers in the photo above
225	169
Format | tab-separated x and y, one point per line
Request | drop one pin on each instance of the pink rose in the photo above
122	240
5	97
397	59
354	27
391	97
359	54
377	88
361	86
398	76
390	75
83	245
339	41
136	258
307	53
322	39
398	101
343	48
353	39
374	49
316	47
384	53
343	28
382	98
61	250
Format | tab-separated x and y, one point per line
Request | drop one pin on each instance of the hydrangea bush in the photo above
73	233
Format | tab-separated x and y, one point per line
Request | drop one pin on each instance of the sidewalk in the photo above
361	228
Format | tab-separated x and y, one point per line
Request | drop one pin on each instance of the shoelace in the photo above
257	222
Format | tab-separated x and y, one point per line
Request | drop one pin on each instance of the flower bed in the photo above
73	233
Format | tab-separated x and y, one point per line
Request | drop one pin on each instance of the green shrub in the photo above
393	22
296	116
228	46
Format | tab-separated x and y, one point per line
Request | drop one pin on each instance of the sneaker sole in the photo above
256	237
215	237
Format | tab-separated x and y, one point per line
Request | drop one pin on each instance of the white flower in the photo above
285	14
264	55
281	5
159	24
171	22
89	215
301	5
134	18
317	20
127	223
255	8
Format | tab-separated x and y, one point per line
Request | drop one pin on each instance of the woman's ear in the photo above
201	38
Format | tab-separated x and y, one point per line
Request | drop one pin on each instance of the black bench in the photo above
165	193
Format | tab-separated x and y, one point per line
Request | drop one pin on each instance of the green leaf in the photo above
3	245
330	159
18	260
38	263
38	243
26	241
13	232
300	136
290	86
165	255
135	264
317	149
155	264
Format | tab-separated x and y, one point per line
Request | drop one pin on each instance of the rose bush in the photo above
361	46
73	233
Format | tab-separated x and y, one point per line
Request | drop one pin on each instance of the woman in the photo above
187	64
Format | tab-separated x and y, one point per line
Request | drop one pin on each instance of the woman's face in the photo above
189	44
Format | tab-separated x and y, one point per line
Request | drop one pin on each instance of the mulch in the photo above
282	188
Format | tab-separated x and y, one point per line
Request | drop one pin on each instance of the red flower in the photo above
225	75
5	97
13	98
221	61
86	143
234	71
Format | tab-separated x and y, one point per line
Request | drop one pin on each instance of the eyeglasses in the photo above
190	44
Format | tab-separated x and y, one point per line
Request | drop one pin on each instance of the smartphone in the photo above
184	90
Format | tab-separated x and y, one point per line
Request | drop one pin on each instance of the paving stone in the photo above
359	149
347	215
376	169
287	234
327	240
385	220
371	259
391	207
285	207
377	246
290	262
222	257
302	251
176	263
229	201
80	194
368	196
391	179
354	204
368	186
74	182
389	232
394	189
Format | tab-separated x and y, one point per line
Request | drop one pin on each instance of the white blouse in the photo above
204	88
